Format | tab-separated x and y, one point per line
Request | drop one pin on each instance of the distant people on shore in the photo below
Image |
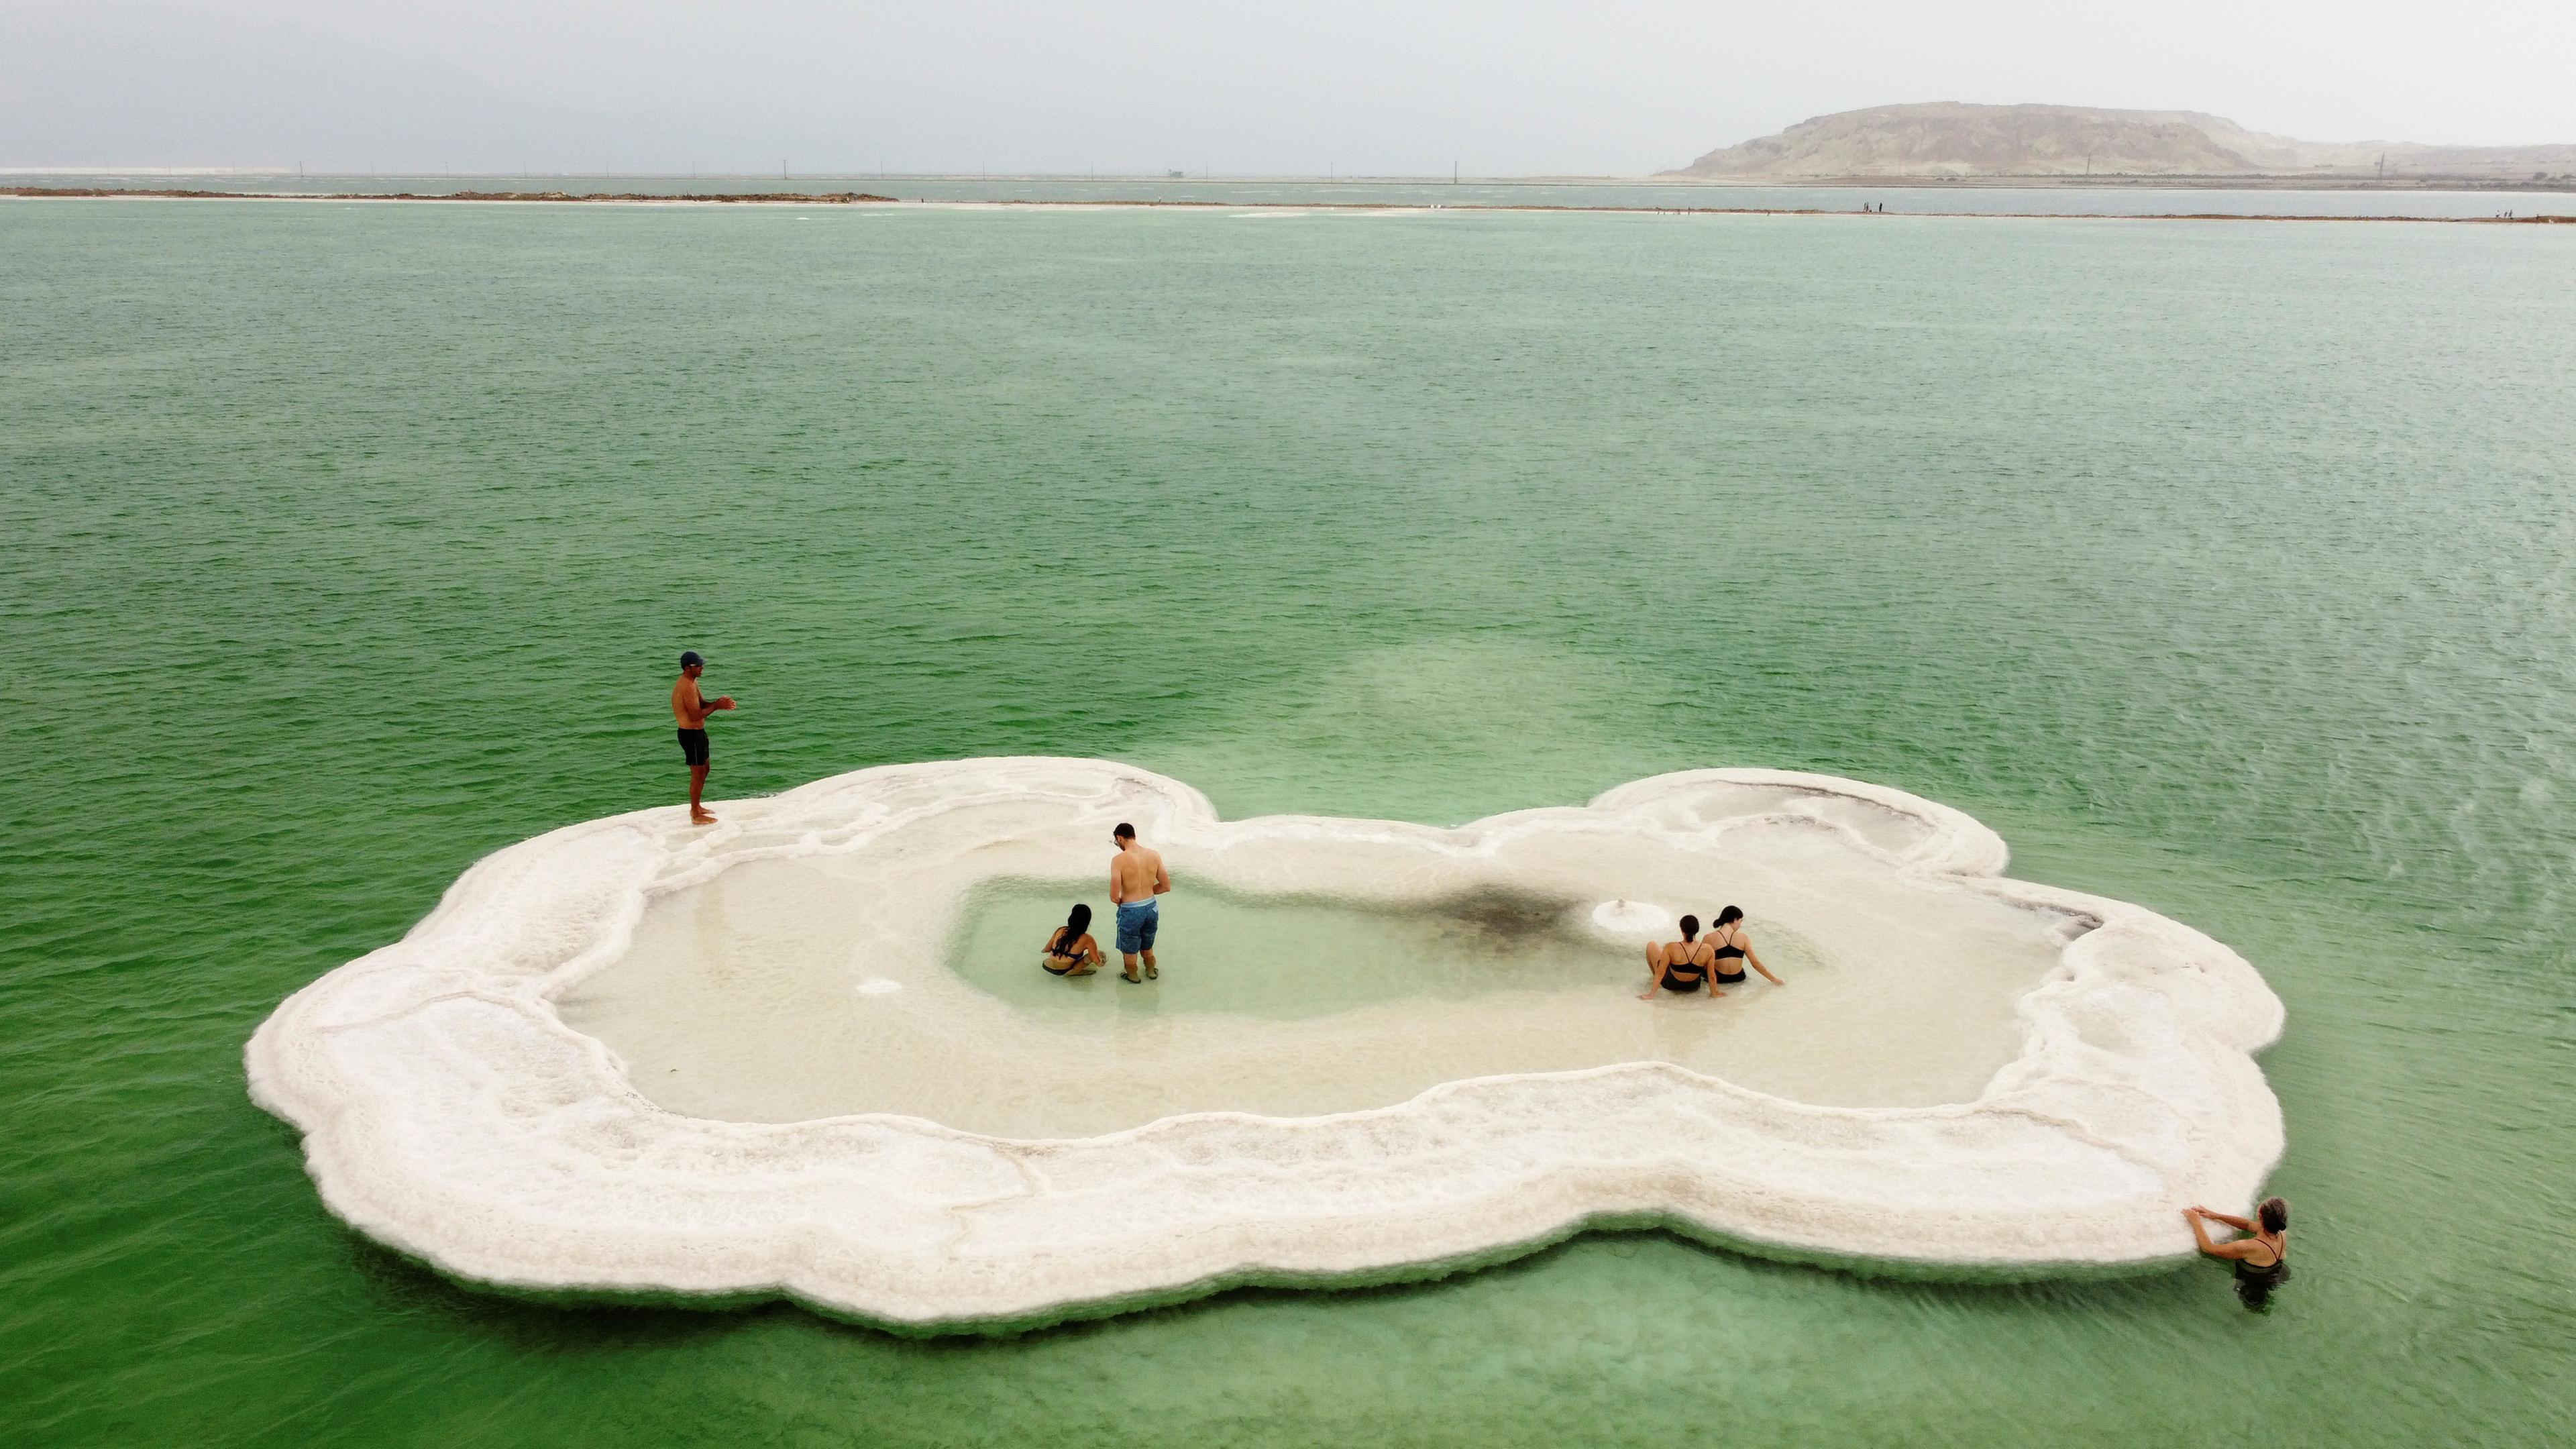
1681	965
691	709
1070	951
2262	1258
1137	883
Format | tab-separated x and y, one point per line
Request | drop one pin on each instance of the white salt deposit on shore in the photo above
638	1057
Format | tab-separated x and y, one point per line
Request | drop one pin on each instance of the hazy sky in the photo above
1240	86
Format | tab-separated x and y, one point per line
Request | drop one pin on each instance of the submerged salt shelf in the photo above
809	1051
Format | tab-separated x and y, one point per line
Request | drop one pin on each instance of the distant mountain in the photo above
1948	138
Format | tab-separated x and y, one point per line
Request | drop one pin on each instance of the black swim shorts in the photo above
693	746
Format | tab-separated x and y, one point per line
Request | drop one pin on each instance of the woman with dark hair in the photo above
1729	945
1679	965
2262	1260
1070	951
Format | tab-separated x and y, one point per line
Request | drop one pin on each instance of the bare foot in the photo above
1085	971
1131	978
700	817
1152	974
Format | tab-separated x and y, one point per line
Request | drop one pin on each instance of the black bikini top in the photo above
2278	1272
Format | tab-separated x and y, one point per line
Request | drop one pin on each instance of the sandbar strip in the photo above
850	198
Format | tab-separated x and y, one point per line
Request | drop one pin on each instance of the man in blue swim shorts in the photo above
1137	881
691	709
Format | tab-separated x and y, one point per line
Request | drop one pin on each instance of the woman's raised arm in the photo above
2213	1248
1754	961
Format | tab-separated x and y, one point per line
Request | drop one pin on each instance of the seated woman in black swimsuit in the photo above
1728	945
1070	951
2263	1260
1681	965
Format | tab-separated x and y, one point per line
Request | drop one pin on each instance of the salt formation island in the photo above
809	1052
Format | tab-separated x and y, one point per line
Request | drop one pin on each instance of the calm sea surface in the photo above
2221	568
2106	200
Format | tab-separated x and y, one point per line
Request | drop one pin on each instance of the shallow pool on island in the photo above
1289	956
767	994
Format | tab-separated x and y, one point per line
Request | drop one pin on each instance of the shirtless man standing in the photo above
691	709
1137	880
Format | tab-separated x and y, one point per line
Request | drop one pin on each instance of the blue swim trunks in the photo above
1137	923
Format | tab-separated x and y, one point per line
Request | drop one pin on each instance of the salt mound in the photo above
452	1113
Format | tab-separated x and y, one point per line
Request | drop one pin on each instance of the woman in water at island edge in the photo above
2262	1259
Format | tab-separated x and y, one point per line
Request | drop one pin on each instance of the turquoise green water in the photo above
2221	568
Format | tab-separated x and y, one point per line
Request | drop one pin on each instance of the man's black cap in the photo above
689	657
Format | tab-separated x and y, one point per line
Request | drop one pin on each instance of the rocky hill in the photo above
1948	138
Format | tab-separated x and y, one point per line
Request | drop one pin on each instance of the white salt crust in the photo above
449	1113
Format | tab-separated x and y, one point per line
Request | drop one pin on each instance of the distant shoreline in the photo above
853	198
2071	181
805	198
1661	180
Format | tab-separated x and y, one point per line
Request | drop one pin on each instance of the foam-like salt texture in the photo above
451	1112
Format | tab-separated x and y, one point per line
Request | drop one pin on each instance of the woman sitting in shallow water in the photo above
1681	965
1728	946
2262	1260
1070	951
